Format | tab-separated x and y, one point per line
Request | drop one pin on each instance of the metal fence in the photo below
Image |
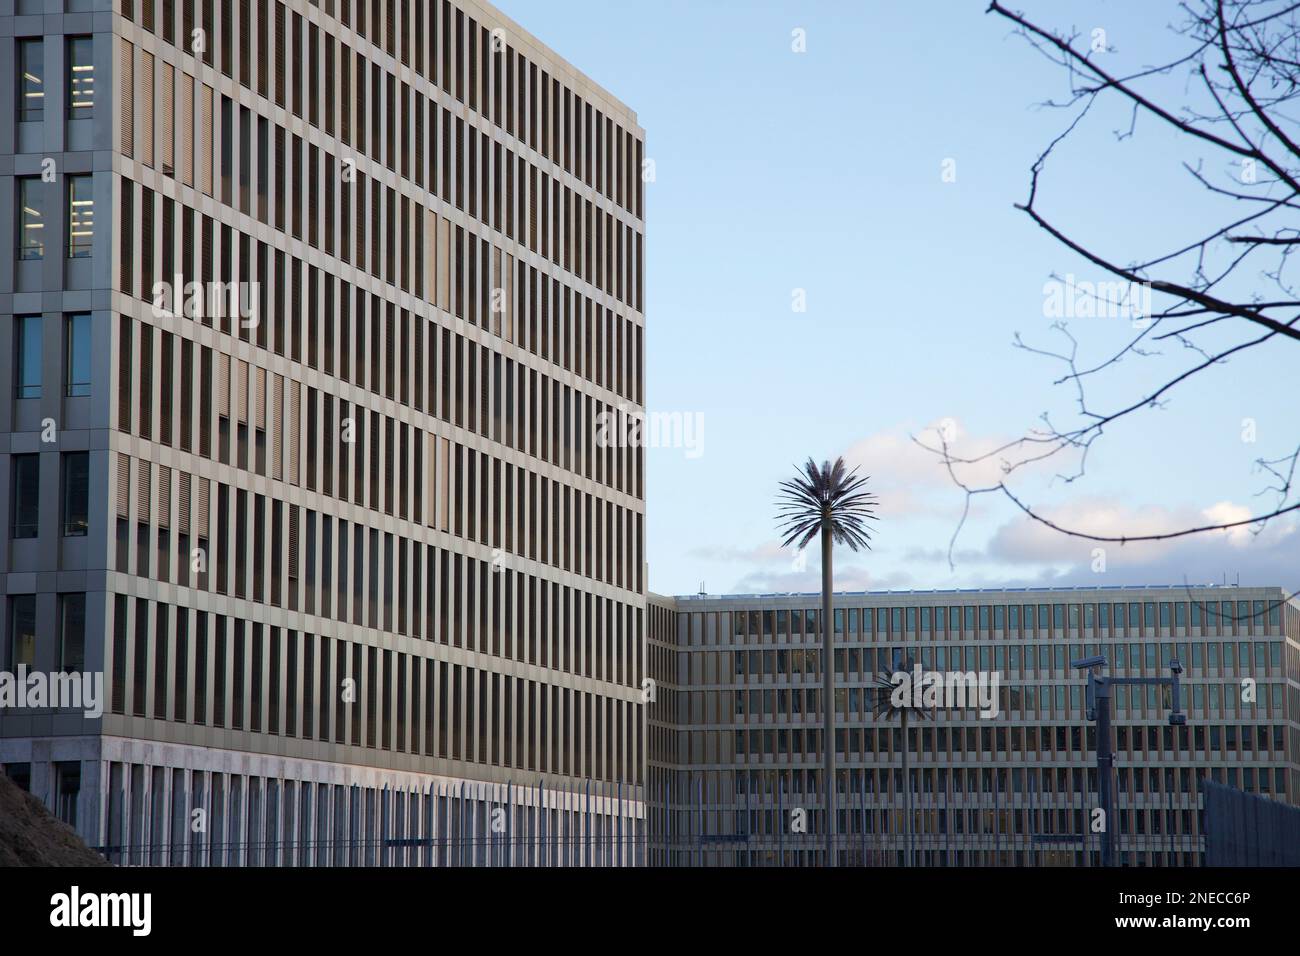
204	820
1018	829
1243	829
1032	823
495	851
924	851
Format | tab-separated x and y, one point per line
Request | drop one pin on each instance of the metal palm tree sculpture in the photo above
833	502
887	707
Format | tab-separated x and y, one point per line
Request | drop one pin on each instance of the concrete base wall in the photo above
163	804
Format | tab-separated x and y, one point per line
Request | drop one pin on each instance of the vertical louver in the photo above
123	485
126	102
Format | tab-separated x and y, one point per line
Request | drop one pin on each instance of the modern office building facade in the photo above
735	737
314	306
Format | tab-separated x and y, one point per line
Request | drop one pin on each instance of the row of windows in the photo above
712	706
1019	701
330	205
79	78
1247	658
245	675
1213	742
455	270
396	353
1038	792
705	746
29	355
767	820
293	557
70	639
783	852
74	497
1257	658
867	833
469	62
762	786
947	743
1242	616
440	483
34	200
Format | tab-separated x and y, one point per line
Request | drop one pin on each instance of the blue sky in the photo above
822	171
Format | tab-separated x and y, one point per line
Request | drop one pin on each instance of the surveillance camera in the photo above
1087	663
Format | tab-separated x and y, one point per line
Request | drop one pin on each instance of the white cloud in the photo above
1026	541
912	480
920	508
1271	556
766	553
848	577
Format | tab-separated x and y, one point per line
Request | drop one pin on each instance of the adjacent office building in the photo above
735	737
313	307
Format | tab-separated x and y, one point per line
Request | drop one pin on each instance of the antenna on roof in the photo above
703	593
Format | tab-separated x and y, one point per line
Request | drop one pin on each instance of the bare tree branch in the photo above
1242	62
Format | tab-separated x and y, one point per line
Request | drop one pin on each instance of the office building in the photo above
313	306
735	737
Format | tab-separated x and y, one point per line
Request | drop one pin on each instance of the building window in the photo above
76	493
27	494
81	78
72	632
31	218
77	359
27	348
67	790
31	80
81	216
22	631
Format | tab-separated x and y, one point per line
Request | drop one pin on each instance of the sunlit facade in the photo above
313	307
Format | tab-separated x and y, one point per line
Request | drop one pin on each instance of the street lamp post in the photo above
1098	702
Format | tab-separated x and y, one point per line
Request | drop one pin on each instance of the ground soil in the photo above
32	836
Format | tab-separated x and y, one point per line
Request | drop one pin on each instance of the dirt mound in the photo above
32	836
